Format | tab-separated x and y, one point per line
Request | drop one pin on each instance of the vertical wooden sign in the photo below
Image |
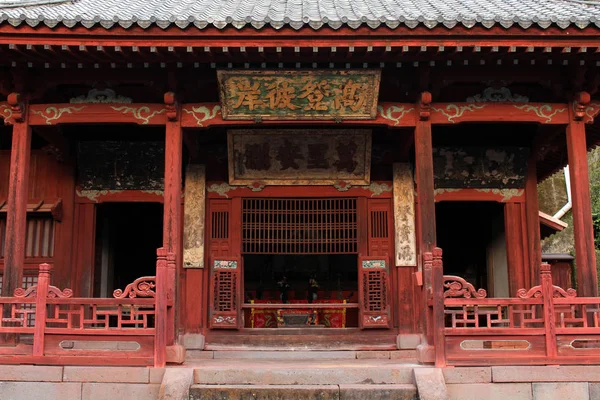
404	216
194	216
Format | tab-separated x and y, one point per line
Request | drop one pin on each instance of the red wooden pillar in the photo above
533	219
426	207
16	215
516	255
40	309
585	256
172	204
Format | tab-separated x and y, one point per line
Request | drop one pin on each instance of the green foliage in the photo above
594	164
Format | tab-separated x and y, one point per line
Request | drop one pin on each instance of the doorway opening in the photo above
301	259
127	236
472	236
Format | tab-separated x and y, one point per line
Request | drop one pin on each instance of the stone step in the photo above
302	372
302	392
403	356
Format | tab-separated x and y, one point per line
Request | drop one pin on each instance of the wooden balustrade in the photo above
543	325
130	328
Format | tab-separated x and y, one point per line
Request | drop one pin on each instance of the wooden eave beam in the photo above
363	36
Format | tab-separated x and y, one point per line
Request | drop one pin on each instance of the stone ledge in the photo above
561	391
114	391
40	391
468	375
31	373
574	373
490	391
107	374
227	392
362	392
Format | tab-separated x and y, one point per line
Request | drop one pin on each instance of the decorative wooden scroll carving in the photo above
17	109
459	287
171	106
96	96
141	287
537	292
580	105
53	292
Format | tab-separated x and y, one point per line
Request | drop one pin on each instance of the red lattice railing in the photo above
543	325
128	329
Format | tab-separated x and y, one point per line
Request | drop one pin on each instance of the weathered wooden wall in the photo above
49	179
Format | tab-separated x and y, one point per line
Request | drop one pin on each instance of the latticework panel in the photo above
375	290
578	315
98	316
494	316
300	226
219	233
225	291
40	237
18	315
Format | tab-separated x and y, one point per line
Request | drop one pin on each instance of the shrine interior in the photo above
472	236
127	236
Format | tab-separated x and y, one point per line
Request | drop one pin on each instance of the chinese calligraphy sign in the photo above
299	95
299	156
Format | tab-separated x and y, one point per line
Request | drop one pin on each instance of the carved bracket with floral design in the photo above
141	287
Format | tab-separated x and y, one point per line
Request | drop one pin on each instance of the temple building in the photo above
209	175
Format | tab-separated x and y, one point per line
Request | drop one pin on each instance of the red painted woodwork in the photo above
516	257
83	249
374	292
533	218
54	114
218	228
206	115
16	216
222	190
161	328
425	200
501	196
117	196
225	293
172	225
453	113
585	257
65	329
380	228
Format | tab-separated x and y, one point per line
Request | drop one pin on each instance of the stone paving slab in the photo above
571	373
430	384
561	391
31	373
264	392
40	391
490	391
118	391
107	374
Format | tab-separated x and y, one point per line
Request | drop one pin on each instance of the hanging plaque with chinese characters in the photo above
299	94
299	156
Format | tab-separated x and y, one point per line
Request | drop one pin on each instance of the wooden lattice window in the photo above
225	294
374	293
380	237
39	237
300	226
219	232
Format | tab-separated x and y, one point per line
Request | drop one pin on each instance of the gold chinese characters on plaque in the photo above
299	94
299	156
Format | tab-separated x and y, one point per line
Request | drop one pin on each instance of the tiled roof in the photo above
299	13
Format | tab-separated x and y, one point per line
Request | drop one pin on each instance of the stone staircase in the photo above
294	376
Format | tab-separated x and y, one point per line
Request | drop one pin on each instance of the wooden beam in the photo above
16	216
172	198
516	258
585	256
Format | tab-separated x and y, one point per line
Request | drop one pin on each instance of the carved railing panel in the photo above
141	287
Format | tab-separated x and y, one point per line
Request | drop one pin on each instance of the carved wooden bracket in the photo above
425	106
17	107
171	106
580	105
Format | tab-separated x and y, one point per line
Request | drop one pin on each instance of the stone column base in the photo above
425	353
193	341
408	341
